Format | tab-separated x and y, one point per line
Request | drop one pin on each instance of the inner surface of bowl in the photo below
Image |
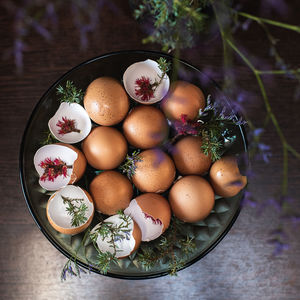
206	233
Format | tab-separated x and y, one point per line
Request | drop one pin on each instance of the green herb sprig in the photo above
77	212
129	165
168	243
70	93
113	233
48	138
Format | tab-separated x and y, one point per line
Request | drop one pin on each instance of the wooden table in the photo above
240	267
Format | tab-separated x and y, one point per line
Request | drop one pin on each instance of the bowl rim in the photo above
24	188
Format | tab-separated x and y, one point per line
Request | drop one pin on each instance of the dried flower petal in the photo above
67	126
144	88
53	169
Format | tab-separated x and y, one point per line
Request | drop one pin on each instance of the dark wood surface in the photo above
240	267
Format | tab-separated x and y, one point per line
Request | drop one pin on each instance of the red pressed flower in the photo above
154	221
144	88
185	126
53	168
67	126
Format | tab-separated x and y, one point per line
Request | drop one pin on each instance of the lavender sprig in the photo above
129	166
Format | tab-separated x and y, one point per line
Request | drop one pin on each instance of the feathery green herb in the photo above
112	233
48	139
169	243
70	93
129	167
77	212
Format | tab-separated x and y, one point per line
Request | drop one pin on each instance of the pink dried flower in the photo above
53	169
67	126
144	88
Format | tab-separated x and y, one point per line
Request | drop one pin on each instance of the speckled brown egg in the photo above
145	127
155	172
104	148
225	177
79	165
106	101
189	158
152	213
111	192
183	98
191	198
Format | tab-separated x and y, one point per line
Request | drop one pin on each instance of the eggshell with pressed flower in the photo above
59	165
152	213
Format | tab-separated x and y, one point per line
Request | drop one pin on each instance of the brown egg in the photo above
191	198
225	177
152	213
111	192
155	172
184	98
145	127
58	215
79	165
106	101
104	148
189	158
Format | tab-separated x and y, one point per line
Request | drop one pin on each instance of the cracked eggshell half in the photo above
68	155
57	213
148	69
225	177
126	245
73	112
152	213
155	172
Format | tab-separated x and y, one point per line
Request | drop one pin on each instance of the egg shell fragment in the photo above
127	244
145	127
184	98
225	177
106	101
155	172
111	192
148	69
191	198
189	158
104	148
70	155
71	111
152	213
57	213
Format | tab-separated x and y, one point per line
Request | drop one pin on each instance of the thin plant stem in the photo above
268	21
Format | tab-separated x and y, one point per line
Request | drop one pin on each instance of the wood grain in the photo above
240	267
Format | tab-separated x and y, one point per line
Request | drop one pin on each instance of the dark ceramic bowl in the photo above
207	234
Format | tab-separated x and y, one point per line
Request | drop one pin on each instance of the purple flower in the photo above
279	246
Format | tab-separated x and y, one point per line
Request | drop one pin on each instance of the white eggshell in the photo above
124	246
150	230
52	152
57	209
149	69
72	111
